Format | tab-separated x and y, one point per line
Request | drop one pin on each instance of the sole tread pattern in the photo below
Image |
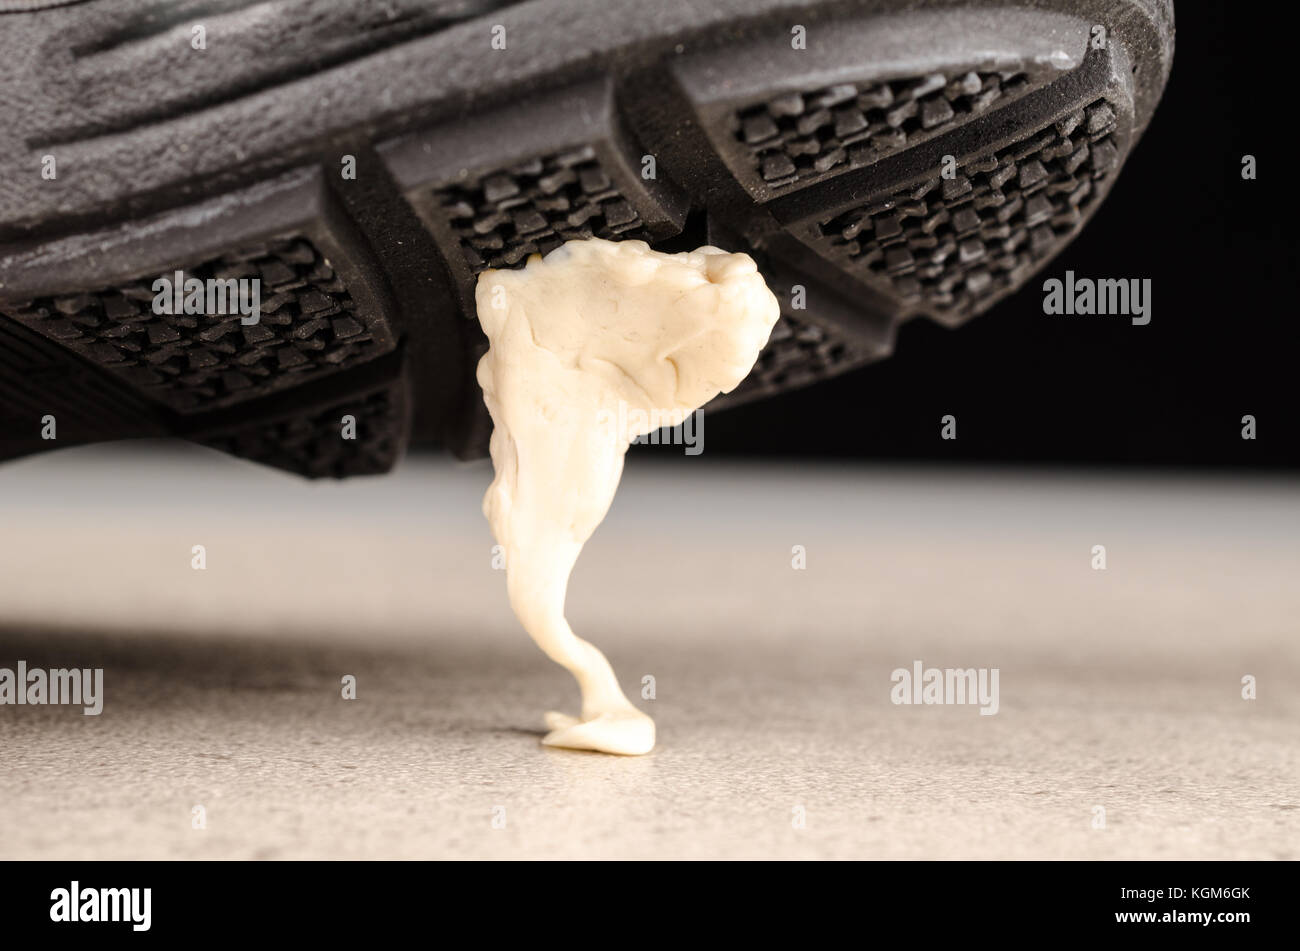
797	138
505	215
308	326
362	435
948	243
825	167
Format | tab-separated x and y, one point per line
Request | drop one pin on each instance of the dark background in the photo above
1220	252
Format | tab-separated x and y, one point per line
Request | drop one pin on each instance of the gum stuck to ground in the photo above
585	346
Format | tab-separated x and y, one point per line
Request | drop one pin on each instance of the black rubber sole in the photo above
907	159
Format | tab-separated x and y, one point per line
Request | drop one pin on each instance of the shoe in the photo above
363	161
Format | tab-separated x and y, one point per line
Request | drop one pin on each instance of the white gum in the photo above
593	325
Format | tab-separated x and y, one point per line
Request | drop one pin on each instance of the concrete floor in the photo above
1120	689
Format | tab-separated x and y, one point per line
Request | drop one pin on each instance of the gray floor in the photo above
1120	689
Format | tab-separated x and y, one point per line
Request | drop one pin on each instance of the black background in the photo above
1220	252
317	903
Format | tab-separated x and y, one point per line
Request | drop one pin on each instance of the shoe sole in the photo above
907	161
